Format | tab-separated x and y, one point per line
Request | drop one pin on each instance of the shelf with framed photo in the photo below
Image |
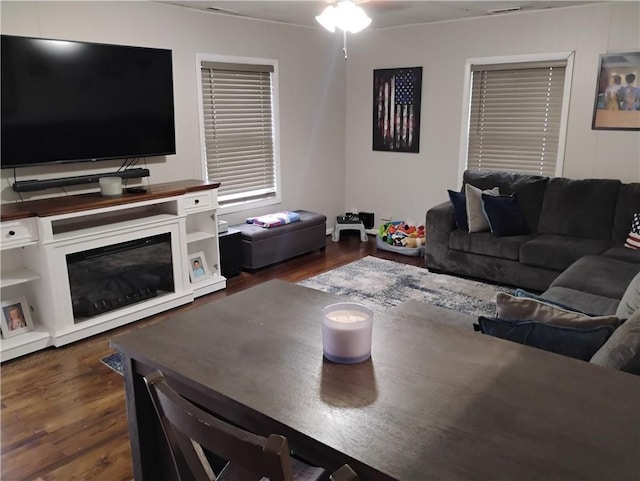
16	317
204	279
22	332
19	333
202	243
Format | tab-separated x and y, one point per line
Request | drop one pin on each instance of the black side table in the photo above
230	243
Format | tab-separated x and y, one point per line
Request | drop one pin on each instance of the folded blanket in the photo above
274	220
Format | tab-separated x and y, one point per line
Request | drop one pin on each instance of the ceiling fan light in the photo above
350	18
359	23
328	18
345	15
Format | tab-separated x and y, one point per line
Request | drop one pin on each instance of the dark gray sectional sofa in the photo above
574	251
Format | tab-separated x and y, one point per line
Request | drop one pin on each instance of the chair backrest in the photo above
188	429
183	422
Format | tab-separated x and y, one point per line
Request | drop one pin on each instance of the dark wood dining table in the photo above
433	401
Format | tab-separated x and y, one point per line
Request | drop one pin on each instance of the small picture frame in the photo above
198	268
16	317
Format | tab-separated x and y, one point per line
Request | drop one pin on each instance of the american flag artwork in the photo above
396	109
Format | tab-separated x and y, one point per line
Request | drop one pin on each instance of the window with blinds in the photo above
238	121
515	117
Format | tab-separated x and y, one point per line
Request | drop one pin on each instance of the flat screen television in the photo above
64	101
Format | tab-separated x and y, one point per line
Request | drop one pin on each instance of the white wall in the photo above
326	108
312	88
406	185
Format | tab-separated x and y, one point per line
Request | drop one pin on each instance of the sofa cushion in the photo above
459	203
630	301
485	244
523	308
528	188
579	208
622	349
558	252
598	275
504	216
476	220
593	304
568	341
622	253
628	204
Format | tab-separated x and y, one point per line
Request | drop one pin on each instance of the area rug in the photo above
113	361
380	283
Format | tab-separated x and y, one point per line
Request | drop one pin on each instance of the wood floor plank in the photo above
62	412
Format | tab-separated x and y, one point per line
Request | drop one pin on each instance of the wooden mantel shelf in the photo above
82	202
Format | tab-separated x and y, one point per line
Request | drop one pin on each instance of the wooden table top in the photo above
433	402
94	200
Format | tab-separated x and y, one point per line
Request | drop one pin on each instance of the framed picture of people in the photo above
16	317
617	103
198	268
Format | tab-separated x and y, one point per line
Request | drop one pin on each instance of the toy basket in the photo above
407	251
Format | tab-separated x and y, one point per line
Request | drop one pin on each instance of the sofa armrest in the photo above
439	223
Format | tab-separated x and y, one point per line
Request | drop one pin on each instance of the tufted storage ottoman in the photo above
262	247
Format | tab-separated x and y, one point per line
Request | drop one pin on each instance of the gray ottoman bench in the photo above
262	247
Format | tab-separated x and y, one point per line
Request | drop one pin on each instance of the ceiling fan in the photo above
345	15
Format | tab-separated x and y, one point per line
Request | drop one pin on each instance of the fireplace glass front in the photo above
118	275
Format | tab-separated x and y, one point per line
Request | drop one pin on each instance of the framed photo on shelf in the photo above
198	268
16	317
617	102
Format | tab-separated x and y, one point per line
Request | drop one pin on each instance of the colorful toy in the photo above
401	234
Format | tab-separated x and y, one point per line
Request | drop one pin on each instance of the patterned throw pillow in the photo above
633	241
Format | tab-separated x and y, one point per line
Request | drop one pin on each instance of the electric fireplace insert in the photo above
118	275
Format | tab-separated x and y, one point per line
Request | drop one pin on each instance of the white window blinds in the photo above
515	117
239	130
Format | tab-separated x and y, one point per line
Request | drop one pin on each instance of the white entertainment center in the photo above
39	237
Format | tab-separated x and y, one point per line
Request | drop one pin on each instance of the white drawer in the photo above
198	201
18	232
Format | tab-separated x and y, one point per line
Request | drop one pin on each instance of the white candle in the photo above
110	186
346	332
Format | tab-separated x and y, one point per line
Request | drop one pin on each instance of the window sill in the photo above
248	205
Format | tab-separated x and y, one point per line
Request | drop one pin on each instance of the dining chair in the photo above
188	429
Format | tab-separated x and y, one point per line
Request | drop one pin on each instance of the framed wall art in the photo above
397	94
617	102
16	317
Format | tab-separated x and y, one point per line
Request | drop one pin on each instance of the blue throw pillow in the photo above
568	341
504	215
459	202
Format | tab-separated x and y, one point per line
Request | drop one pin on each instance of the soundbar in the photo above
33	185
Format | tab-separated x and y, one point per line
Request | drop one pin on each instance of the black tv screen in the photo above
66	101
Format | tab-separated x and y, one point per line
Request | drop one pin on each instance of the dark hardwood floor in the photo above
62	412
